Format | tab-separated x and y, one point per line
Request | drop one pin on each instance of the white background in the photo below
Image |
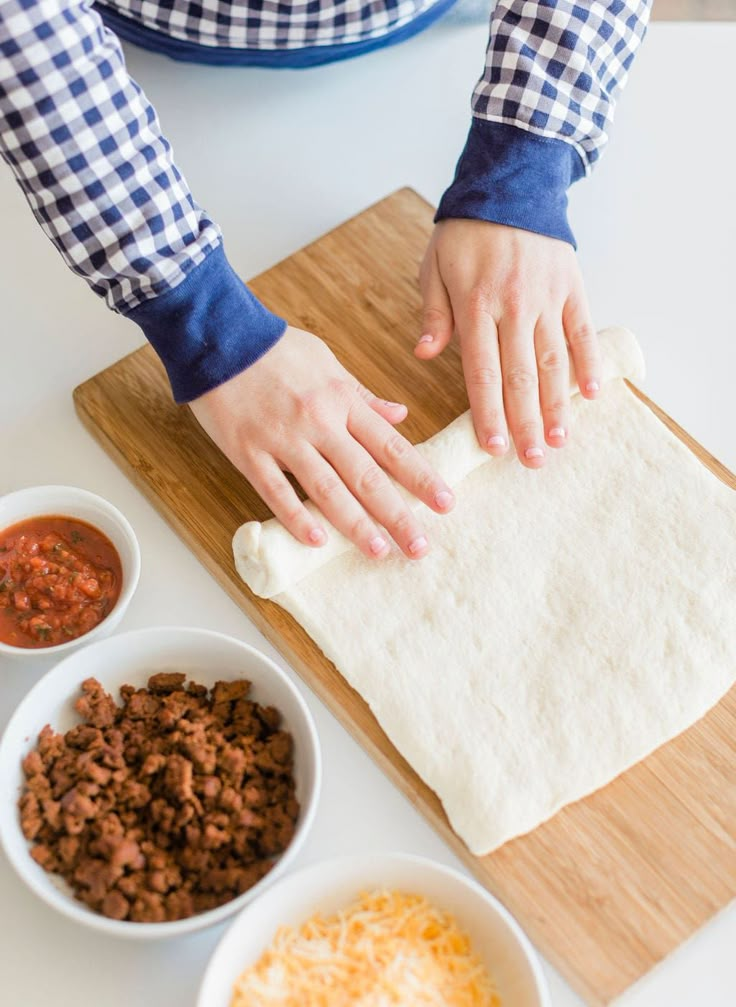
277	158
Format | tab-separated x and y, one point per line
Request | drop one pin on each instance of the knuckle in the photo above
294	516
361	528
310	406
317	407
552	360
401	524
274	488
515	297
484	377
370	481
326	487
526	430
424	483
338	389
479	302
556	407
434	316
519	378
493	420
396	447
581	336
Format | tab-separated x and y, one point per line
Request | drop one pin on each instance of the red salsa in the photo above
59	578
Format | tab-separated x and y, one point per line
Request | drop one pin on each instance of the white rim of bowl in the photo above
130	583
68	905
528	949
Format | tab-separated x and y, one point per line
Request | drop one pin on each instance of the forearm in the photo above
542	109
86	148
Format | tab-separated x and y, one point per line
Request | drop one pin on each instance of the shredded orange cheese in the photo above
387	949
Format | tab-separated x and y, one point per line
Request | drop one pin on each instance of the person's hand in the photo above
516	301
298	409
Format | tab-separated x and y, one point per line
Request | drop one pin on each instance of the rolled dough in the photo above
567	621
269	558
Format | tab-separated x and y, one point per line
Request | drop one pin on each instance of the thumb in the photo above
394	412
437	320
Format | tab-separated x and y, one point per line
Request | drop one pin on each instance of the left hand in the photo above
517	303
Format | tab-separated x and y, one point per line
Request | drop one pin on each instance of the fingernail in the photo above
418	545
316	536
426	338
443	499
392	405
558	432
496	441
377	544
534	453
592	386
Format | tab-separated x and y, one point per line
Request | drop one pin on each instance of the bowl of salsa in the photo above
69	564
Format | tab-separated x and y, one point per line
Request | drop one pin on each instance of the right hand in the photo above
298	409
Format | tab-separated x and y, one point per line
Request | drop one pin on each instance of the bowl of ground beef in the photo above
69	566
155	782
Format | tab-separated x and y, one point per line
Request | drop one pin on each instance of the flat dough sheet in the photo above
566	623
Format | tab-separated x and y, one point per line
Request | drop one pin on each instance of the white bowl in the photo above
131	658
495	935
68	501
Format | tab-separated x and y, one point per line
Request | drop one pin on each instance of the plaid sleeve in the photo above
86	148
542	108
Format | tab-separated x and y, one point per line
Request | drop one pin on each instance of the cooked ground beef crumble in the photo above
169	805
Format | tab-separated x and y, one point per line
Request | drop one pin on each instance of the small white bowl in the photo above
495	935
130	658
69	501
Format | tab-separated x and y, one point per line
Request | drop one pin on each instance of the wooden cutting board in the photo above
612	883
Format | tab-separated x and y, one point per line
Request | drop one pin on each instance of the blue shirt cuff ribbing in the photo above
208	328
511	176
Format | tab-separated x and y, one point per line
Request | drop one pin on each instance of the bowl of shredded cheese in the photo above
389	930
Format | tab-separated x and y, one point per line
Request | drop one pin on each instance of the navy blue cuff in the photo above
207	329
511	176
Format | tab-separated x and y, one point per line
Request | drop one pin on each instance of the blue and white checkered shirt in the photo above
88	151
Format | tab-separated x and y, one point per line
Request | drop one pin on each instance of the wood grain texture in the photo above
612	883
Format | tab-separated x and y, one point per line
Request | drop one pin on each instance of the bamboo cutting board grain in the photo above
612	883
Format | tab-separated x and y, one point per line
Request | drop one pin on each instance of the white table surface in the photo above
278	158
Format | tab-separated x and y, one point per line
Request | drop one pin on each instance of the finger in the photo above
437	319
394	412
274	489
553	367
583	342
398	456
482	369
328	491
521	389
368	482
